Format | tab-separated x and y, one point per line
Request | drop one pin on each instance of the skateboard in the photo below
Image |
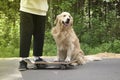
52	64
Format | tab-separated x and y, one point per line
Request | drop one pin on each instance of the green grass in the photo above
9	52
51	50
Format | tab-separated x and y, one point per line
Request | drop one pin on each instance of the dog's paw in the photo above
56	60
67	59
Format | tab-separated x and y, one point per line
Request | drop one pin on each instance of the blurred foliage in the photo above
96	23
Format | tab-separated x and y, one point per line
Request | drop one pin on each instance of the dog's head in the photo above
64	19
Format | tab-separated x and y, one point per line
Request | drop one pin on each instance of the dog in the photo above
67	42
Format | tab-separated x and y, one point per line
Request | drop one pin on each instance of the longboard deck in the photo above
54	64
48	62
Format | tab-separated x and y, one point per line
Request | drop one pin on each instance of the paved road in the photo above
108	69
9	69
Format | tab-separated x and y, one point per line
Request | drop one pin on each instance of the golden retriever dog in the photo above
67	42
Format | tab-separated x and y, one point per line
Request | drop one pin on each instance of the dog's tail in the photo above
92	58
83	60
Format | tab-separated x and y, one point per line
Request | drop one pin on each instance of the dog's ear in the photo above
71	21
56	20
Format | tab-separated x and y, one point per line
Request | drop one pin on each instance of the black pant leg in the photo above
26	31
38	35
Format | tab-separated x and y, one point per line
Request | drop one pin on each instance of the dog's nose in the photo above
68	20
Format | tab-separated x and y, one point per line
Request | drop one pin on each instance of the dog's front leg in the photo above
57	57
60	54
68	58
69	54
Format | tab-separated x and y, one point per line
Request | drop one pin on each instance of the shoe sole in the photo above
22	69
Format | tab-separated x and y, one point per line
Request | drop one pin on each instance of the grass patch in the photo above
51	50
6	52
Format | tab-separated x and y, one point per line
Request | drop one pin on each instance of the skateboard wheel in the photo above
63	67
40	66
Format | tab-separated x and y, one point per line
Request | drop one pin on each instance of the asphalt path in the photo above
107	69
9	69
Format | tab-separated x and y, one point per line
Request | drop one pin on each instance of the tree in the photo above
96	23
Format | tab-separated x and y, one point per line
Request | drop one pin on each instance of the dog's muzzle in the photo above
66	23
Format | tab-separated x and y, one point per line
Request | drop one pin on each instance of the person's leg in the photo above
26	31
38	35
38	39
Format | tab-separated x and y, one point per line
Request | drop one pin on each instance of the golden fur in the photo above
68	46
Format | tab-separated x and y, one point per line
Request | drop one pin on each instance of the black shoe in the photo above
40	66
39	59
23	66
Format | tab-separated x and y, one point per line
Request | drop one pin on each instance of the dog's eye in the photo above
64	15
